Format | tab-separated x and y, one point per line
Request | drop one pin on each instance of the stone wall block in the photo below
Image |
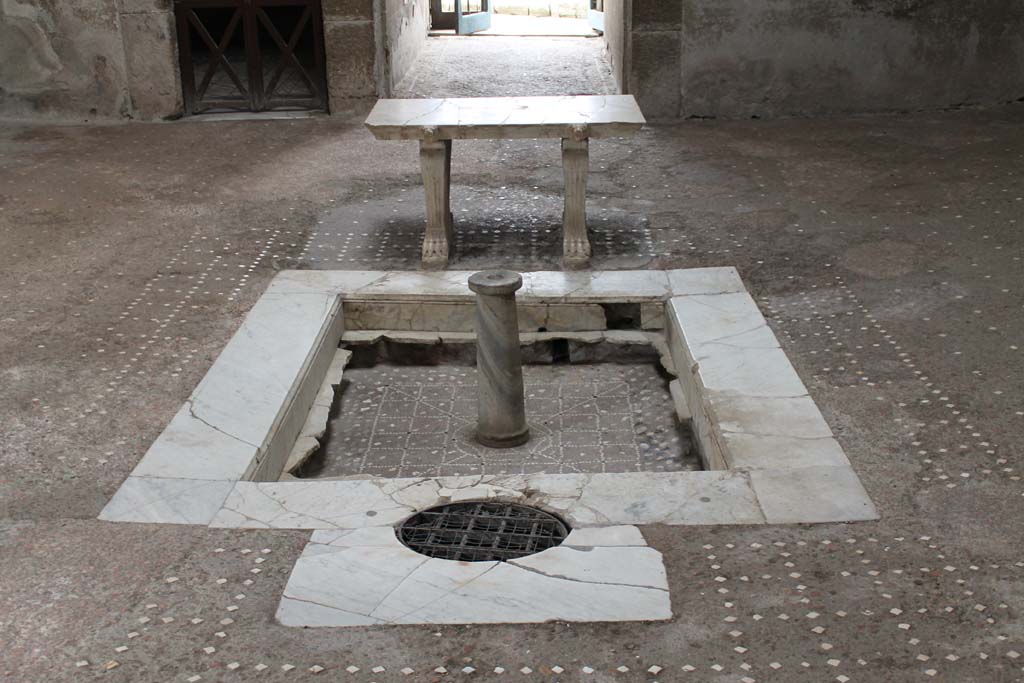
152	61
351	50
144	6
347	10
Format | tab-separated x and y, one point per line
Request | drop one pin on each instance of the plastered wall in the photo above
743	58
87	59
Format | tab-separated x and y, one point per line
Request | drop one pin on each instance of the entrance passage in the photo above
251	55
505	66
515	17
461	16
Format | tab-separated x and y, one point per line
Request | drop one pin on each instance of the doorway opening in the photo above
251	55
564	18
517	48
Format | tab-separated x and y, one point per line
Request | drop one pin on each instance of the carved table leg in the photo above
575	164
435	163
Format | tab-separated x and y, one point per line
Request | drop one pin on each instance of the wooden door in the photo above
251	55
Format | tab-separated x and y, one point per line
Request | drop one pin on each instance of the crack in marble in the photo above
562	577
331	607
446	594
190	402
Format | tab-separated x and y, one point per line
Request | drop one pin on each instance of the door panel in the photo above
211	48
595	15
443	15
251	55
474	15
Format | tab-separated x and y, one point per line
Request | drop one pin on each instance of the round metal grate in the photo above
481	531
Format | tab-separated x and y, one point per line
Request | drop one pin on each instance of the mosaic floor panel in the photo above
408	421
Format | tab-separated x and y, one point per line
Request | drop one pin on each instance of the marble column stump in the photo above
501	421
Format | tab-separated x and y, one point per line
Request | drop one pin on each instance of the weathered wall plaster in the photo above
618	21
737	58
89	58
407	24
59	57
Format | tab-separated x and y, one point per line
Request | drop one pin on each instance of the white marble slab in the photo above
227	424
685	498
262	363
720	280
313	504
617	565
451	285
189	448
604	536
331	281
600	286
367	577
752	451
166	501
583	500
808	495
750	410
597	116
728	319
793	417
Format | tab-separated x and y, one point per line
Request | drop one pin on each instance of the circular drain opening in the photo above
481	531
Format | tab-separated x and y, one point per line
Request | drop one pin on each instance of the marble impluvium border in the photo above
771	456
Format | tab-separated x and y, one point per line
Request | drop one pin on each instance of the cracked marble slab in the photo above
166	501
451	285
367	577
229	419
315	425
584	500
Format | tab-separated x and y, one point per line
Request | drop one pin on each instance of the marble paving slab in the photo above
461	118
612	286
584	500
366	577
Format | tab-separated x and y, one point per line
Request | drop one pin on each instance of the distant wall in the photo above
407	24
617	28
87	58
653	57
719	58
742	58
543	8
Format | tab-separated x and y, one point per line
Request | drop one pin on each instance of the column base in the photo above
504	442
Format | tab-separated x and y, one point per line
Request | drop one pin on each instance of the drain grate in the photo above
481	531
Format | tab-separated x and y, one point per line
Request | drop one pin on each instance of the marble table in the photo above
437	122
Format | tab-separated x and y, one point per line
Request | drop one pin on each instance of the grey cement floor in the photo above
506	66
885	251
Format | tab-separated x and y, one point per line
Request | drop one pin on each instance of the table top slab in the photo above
568	116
